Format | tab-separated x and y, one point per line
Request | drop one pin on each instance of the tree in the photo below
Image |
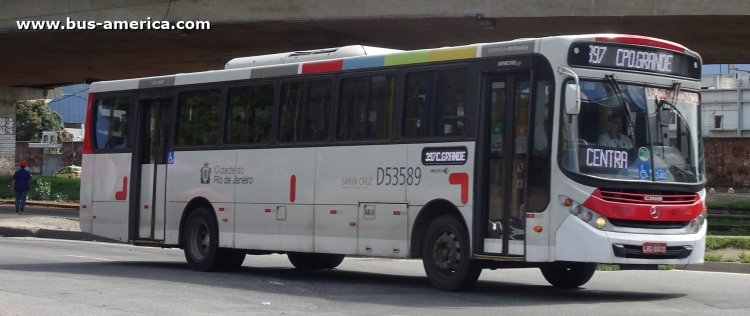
33	117
64	136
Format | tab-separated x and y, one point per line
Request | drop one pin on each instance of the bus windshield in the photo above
633	133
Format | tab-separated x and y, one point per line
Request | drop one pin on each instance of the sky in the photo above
723	68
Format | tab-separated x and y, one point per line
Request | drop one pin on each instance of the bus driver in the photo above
613	138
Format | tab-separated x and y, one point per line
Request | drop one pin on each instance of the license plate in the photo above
654	248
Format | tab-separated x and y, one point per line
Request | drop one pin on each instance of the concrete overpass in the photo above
717	29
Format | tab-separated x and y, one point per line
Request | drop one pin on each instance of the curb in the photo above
67	205
47	233
729	267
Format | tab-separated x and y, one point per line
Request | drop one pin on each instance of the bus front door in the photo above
152	162
508	99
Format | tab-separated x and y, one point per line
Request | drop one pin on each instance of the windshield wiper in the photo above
623	104
616	88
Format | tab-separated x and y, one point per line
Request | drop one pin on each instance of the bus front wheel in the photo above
446	255
568	275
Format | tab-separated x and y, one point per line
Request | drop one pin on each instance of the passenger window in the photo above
198	117
304	111
112	123
366	110
418	98
249	114
435	104
451	103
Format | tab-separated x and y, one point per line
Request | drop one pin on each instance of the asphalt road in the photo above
60	277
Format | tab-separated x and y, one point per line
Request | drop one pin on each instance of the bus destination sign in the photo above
634	58
444	155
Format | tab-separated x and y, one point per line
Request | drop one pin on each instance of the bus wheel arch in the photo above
199	238
427	214
194	204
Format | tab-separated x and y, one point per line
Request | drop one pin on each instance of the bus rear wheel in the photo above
200	241
568	275
446	256
314	261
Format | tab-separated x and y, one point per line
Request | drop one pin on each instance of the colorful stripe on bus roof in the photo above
517	47
359	62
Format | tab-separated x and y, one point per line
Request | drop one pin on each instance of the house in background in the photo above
725	107
48	156
72	108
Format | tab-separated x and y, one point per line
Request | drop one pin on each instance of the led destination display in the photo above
635	58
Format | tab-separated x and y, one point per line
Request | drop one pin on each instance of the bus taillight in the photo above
87	127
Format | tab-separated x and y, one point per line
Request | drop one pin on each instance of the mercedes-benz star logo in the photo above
654	212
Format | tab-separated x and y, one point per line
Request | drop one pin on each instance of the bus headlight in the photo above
600	223
590	217
587	216
576	210
696	223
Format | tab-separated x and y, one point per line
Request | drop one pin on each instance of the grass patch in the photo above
607	267
721	242
729	205
45	188
616	267
744	258
713	257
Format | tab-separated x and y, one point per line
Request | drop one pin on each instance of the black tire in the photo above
200	241
231	259
446	256
568	275
314	261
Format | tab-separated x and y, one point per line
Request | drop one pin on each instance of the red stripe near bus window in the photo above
122	195
462	179
293	188
322	66
87	149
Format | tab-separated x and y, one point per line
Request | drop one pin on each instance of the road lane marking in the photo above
87	257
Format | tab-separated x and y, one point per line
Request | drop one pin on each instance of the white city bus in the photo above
558	152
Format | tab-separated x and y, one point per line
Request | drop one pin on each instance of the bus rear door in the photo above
151	168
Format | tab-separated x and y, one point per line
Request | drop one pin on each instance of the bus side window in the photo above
316	111
198	117
291	95
249	114
416	104
366	108
111	123
451	105
304	111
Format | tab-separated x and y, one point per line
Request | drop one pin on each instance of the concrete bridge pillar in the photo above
8	98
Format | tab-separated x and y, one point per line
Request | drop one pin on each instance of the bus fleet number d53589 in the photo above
399	175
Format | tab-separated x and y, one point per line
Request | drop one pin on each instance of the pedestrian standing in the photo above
20	185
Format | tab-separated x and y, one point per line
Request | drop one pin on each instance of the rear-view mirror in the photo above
572	99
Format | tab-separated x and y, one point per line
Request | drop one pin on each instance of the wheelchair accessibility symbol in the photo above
170	157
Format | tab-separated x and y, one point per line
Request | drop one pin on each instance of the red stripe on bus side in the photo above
293	188
122	195
462	179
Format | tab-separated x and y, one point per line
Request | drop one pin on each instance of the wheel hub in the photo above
446	252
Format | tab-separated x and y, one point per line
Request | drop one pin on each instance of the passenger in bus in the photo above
612	137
